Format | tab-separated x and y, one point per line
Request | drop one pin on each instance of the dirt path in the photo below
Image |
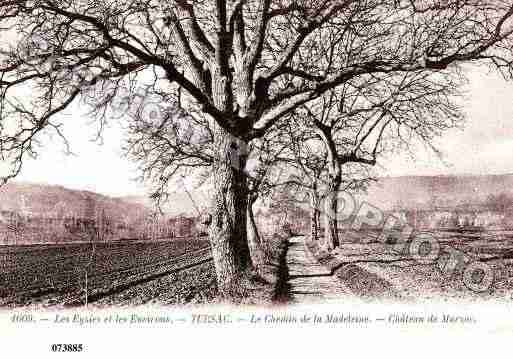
307	281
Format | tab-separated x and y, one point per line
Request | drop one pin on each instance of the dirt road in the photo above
307	281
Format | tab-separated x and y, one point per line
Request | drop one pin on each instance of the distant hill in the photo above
444	190
35	213
178	203
385	193
54	214
36	200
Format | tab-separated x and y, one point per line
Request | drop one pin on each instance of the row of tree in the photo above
96	226
249	96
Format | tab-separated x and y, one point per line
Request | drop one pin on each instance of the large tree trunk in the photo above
331	240
254	239
227	229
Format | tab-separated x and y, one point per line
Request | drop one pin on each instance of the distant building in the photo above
439	218
182	226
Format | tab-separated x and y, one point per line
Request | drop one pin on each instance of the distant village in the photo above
496	212
52	228
25	229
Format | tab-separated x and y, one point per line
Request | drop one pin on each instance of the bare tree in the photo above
16	226
357	123
180	145
263	171
104	225
95	228
308	163
308	167
245	64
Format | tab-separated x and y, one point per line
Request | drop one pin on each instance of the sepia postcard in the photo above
248	178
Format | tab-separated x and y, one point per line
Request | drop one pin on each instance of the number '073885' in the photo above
67	348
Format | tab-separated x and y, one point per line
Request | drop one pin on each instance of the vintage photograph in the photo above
182	153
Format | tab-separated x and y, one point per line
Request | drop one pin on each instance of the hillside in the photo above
54	213
444	190
385	193
37	200
34	213
179	203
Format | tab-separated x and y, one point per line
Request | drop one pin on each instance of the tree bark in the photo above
254	239
227	229
331	239
314	217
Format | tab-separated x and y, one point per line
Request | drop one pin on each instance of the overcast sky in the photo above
485	146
